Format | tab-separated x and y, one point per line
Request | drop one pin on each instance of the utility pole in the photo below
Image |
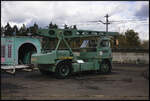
107	22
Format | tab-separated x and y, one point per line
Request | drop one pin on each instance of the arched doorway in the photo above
24	53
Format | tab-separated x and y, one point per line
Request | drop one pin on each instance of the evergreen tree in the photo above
33	29
8	30
28	30
23	30
20	32
2	31
36	25
15	30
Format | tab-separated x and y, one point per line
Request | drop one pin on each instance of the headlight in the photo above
100	53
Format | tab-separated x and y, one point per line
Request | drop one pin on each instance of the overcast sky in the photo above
79	13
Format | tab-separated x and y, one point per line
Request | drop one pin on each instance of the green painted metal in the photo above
44	58
73	33
91	59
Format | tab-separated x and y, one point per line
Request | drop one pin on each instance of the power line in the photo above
106	22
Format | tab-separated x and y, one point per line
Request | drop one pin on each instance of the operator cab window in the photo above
84	44
105	43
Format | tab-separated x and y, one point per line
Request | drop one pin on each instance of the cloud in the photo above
143	12
74	12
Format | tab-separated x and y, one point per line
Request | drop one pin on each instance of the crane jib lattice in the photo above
72	33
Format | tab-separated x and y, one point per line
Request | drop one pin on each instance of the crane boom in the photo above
73	33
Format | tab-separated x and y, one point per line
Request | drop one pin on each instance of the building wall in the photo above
16	43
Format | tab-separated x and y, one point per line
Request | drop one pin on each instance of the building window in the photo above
3	51
9	51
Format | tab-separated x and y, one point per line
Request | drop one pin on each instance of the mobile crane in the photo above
64	58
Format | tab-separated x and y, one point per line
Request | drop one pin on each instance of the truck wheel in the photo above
105	67
63	70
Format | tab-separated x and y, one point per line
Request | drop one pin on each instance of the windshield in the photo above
105	43
89	44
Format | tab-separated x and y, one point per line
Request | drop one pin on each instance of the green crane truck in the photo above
72	50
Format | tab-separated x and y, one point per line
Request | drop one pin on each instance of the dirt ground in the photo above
126	82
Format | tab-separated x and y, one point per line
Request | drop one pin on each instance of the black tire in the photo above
105	67
63	70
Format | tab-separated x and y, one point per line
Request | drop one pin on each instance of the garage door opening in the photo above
25	52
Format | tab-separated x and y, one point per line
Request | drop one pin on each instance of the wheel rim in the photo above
104	68
64	71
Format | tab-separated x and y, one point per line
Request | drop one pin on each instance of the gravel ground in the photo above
126	82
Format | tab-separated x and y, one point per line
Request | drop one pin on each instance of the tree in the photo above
15	30
129	40
2	31
132	39
8	30
122	41
28	30
35	26
33	29
145	44
23	30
